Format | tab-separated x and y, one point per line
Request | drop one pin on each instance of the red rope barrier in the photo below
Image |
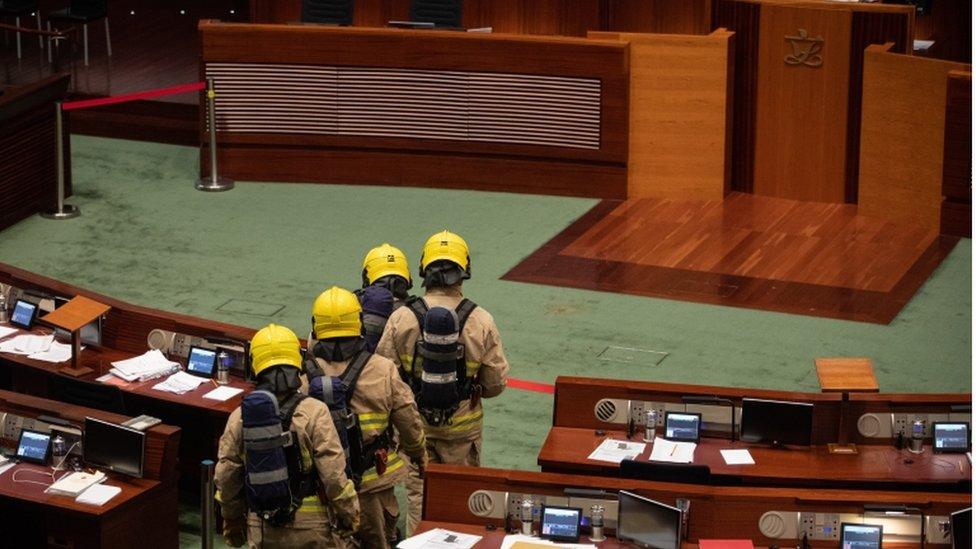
173	90
531	386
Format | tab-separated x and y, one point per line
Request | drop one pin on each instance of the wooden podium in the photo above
73	316
845	376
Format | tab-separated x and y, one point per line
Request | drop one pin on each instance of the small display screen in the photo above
33	446
681	426
560	523
860	536
950	437
201	362
24	313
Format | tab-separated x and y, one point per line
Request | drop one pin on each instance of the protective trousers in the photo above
453	452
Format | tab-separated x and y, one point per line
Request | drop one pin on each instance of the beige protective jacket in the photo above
483	350
381	397
320	448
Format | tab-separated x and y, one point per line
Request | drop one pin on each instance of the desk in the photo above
144	514
493	538
566	450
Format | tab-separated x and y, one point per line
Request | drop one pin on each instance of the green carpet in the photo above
146	236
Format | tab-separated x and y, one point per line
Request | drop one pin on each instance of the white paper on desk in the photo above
58	352
98	494
179	383
737	457
27	344
144	366
615	451
512	539
223	393
670	451
439	538
7	330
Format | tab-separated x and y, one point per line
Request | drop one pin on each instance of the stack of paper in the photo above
27	344
737	457
519	541
57	352
439	538
75	483
7	330
615	451
673	452
223	393
179	383
150	365
98	494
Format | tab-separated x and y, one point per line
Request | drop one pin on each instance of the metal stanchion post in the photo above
214	182
206	504
64	211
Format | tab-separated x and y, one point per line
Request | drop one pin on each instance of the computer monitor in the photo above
647	523
113	447
24	314
860	536
950	437
201	362
961	528
682	426
34	446
776	422
91	333
561	524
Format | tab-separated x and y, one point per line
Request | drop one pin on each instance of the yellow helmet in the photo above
447	246
275	345
336	313
385	260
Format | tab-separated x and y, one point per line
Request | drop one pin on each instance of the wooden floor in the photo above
746	251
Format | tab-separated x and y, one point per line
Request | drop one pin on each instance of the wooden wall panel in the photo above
867	28
957	159
659	16
680	100
743	19
902	136
801	109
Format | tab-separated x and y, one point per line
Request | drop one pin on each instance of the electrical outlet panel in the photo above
183	342
636	408
902	423
515	505
12	425
820	526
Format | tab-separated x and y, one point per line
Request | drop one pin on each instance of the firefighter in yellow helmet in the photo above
386	266
448	391
280	471
368	400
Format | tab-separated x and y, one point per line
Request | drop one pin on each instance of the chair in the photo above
665	472
87	393
442	13
84	12
18	9
333	12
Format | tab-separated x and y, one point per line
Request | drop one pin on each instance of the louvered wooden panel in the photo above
408	103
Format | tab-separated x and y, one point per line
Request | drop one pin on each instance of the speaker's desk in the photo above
566	450
144	514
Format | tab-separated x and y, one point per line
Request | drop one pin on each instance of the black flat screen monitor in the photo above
24	314
113	447
561	524
860	536
950	437
201	362
961	528
776	422
648	523
682	426
34	446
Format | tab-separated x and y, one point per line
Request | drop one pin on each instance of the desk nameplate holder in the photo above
845	376
72	317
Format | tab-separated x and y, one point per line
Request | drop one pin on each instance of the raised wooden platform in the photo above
746	251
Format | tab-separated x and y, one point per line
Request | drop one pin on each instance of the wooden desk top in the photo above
846	375
100	359
14	484
567	449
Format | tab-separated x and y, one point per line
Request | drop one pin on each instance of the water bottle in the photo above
59	449
596	523
650	425
3	309
525	515
223	368
918	436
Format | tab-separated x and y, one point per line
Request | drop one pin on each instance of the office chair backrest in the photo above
336	12
442	13
86	393
665	472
